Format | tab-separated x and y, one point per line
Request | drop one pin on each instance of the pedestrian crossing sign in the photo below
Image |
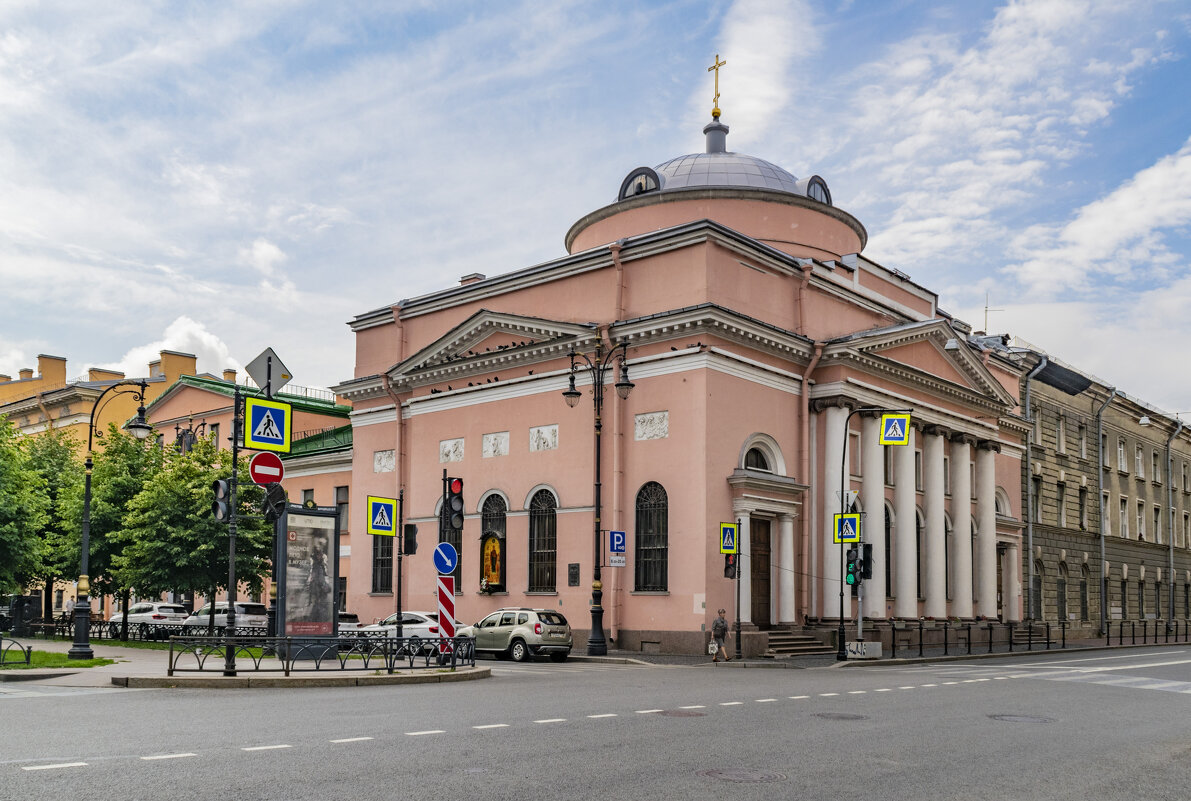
847	528
267	425
729	538
382	516
895	429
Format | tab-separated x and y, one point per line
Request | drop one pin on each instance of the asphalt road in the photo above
1071	726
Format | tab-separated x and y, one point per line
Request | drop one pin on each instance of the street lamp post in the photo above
81	648
597	366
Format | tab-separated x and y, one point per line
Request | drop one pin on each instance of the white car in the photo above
249	615
413	624
144	616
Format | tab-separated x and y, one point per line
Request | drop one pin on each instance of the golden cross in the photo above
715	104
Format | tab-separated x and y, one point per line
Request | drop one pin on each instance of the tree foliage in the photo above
170	539
120	470
23	511
53	456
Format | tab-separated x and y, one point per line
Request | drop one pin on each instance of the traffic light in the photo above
866	560
455	503
852	567
220	507
410	545
274	502
729	565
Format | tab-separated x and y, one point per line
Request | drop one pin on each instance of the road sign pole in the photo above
400	544
738	648
229	659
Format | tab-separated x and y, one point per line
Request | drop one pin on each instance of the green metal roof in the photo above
331	439
303	403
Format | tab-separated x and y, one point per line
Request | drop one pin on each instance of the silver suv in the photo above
521	633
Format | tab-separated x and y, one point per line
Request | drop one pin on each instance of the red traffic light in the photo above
456	486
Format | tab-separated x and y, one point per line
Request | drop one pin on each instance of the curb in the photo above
34	674
252	682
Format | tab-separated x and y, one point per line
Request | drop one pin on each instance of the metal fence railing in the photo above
1168	630
13	653
288	655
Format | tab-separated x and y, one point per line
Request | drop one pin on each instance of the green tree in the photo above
171	541
53	456
120	469
23	511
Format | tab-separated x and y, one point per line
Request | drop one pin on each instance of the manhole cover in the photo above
840	716
682	713
1022	718
744	776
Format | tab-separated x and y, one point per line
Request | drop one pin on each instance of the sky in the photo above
218	178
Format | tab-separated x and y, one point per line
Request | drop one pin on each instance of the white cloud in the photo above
183	335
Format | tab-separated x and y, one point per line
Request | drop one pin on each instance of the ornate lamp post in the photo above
81	648
597	365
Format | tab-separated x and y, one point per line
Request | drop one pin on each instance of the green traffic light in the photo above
851	579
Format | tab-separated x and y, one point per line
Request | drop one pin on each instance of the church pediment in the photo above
933	349
488	339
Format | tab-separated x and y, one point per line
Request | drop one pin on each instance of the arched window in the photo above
919	530
543	542
755	460
1036	595
651	549
492	543
888	552
1084	604
1061	592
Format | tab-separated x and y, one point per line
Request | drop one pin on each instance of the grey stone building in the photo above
1107	500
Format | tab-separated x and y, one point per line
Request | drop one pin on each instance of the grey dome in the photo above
726	169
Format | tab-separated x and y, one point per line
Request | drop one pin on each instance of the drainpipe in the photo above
1170	512
1100	450
804	467
1031	501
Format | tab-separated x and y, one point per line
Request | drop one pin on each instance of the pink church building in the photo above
752	328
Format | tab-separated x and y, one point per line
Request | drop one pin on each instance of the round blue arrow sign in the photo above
445	558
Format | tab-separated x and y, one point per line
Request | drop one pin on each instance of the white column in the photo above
1012	571
744	568
872	498
786	605
935	537
905	546
961	521
986	532
833	455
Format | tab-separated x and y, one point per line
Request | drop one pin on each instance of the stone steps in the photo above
788	643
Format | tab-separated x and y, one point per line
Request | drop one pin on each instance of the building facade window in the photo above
755	460
651	549
1139	463
1036	595
1124	599
341	496
1083	508
918	471
1155	473
1083	441
1036	499
1036	420
493	525
382	564
1122	465
1141	599
1061	435
1141	521
1187	599
1084	604
543	542
1186	528
919	529
1061	592
1158	524
888	549
1124	522
888	466
307	497
1061	500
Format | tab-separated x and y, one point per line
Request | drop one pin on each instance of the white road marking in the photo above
857	692
265	747
798	697
52	767
765	700
647	711
732	703
944	683
930	685
604	715
428	731
883	690
351	740
694	706
168	756
492	726
551	720
1093	659
1000	678
827	695
905	688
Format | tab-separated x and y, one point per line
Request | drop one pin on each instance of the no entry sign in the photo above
266	468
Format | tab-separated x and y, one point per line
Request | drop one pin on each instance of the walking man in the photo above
719	630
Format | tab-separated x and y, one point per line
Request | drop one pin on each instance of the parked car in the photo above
249	615
349	622
143	616
413	624
521	633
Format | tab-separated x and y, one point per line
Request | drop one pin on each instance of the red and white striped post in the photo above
446	612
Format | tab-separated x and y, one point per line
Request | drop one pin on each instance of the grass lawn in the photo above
53	659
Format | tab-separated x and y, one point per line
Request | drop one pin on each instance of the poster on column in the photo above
310	568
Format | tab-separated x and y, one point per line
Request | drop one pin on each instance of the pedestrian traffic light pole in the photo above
841	653
737	578
400	551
